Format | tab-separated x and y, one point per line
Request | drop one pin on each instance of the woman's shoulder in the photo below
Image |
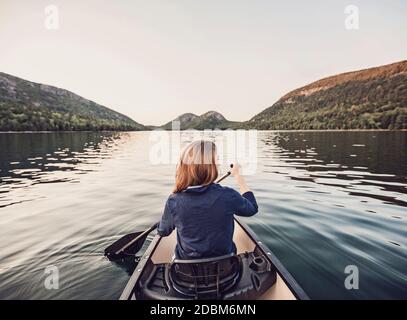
172	195
172	198
215	187
171	201
227	190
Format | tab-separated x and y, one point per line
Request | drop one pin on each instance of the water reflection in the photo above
34	158
351	161
327	200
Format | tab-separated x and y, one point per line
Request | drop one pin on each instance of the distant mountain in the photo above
208	120
374	98
25	105
184	120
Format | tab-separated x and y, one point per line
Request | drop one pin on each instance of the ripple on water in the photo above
65	196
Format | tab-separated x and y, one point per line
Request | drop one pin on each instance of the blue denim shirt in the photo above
204	219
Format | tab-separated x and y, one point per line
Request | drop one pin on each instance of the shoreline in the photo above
194	130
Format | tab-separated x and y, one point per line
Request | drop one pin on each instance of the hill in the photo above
208	120
29	106
374	98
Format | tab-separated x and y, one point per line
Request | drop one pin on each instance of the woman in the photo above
201	210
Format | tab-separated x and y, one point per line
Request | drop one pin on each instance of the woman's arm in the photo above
166	224
246	204
235	172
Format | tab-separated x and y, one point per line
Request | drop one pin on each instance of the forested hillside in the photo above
375	98
26	105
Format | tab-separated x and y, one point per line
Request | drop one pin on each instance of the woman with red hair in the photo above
201	210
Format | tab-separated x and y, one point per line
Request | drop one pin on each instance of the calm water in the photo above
327	200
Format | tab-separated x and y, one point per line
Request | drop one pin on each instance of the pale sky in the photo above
154	60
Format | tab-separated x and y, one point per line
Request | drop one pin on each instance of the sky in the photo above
154	60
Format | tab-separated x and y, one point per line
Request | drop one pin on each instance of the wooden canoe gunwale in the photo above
128	290
288	279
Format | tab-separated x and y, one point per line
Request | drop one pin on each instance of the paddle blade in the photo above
110	251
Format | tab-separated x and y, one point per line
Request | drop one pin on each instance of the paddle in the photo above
131	243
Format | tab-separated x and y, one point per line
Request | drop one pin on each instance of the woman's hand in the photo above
239	179
235	171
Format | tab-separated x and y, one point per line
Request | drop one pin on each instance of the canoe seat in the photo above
204	278
245	276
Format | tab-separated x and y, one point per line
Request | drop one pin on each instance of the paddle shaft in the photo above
223	177
145	233
154	226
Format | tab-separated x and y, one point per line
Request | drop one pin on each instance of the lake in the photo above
327	200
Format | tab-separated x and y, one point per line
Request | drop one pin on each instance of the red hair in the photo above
197	166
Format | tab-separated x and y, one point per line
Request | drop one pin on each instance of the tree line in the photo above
16	117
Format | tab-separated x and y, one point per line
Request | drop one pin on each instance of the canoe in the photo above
254	273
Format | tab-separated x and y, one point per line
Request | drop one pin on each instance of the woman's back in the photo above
201	210
204	219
